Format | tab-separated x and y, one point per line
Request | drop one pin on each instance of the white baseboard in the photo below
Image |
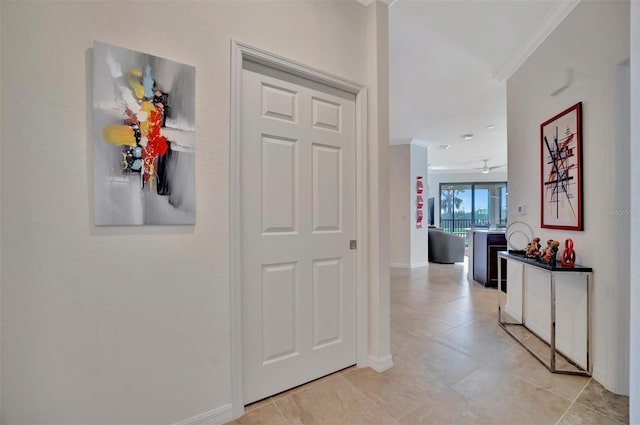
381	364
216	416
610	384
407	265
598	375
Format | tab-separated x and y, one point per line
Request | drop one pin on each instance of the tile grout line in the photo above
372	401
588	406
513	344
546	389
512	347
280	411
325	378
410	412
573	401
481	322
407	363
461	324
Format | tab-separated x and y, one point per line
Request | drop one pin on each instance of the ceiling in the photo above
448	65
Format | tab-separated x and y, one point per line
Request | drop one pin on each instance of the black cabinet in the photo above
486	245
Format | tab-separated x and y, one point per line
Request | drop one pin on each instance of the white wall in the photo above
592	41
0	223
418	167
634	299
471	177
408	243
131	325
400	214
378	74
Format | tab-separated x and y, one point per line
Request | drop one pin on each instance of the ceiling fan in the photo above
486	169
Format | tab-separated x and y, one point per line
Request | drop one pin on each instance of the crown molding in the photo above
550	22
413	141
389	3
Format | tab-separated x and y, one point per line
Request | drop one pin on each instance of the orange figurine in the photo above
533	248
549	253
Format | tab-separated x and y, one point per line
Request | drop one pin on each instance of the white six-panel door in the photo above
298	217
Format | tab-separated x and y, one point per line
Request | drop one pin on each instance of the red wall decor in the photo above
419	201
561	170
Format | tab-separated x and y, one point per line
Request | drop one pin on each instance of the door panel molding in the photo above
241	52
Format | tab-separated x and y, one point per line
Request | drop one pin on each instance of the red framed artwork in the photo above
561	170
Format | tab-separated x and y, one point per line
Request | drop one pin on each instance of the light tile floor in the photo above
453	364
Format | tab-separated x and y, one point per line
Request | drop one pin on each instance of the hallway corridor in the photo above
453	364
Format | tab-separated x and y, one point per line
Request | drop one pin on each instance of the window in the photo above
466	205
503	205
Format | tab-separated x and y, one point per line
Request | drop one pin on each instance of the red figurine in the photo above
568	255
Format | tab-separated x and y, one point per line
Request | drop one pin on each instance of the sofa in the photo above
445	248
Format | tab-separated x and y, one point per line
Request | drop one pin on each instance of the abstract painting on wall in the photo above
561	170
144	138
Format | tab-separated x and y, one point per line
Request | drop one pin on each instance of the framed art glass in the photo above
561	170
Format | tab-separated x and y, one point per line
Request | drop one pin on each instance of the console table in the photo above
587	272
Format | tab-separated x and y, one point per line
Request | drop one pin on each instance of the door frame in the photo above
240	52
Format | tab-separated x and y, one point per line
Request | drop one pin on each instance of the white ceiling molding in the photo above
413	141
551	22
368	2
